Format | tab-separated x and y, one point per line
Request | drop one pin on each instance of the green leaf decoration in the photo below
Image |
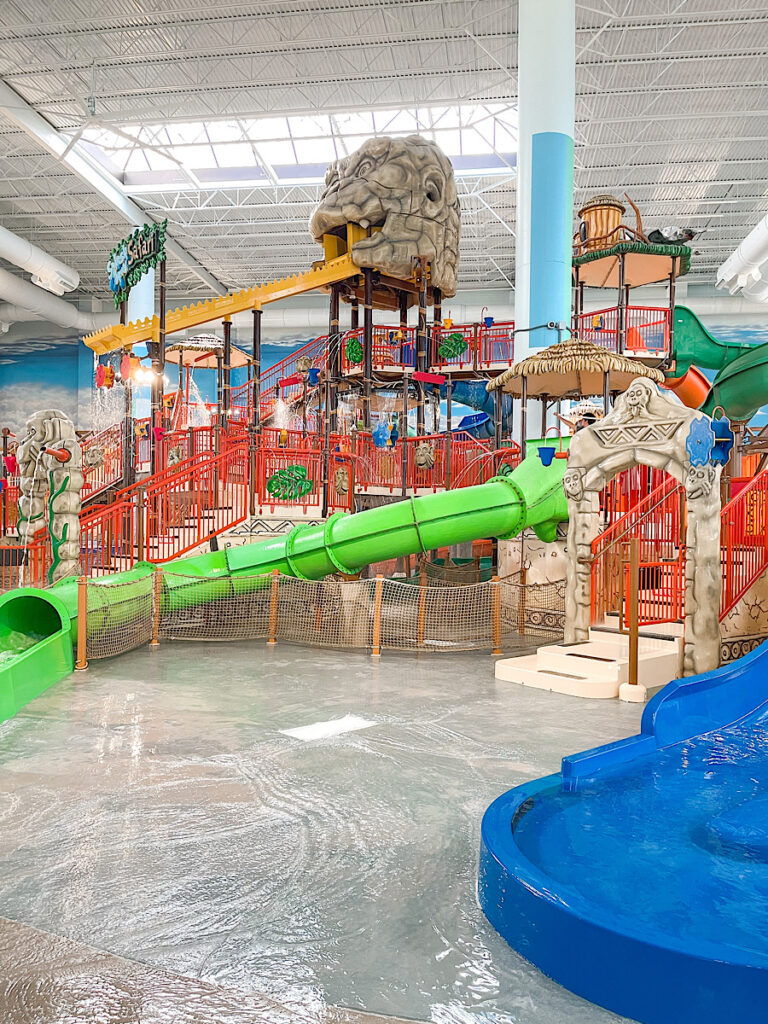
354	351
452	345
290	484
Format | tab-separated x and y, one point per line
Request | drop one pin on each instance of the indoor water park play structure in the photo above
654	564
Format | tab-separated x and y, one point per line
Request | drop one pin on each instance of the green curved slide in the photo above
38	628
741	383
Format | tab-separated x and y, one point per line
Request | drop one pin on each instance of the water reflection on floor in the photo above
153	807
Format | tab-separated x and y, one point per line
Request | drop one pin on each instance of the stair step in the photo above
594	660
526	672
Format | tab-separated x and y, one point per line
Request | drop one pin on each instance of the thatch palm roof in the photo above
573	367
203	352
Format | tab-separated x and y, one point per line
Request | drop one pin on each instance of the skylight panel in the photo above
296	148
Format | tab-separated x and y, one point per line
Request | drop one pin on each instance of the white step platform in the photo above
598	667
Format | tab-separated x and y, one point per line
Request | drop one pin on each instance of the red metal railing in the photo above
24	566
192	505
466	359
477	468
290	476
661	592
391	349
102	460
107	538
496	345
743	541
657	520
646	330
487	348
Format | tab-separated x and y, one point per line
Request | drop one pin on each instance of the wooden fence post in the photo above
82	624
141	525
422	602
521	601
496	613
273	609
157	595
376	644
634	590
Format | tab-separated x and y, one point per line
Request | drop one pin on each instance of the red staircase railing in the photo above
102	460
657	520
743	541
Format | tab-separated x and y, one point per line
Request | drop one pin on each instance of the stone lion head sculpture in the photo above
406	187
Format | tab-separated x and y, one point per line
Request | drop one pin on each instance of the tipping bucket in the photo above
546	454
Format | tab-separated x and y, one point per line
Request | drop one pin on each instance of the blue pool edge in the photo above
616	961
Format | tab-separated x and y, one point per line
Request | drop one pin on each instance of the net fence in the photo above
354	614
120	616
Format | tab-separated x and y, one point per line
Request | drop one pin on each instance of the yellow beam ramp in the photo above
124	335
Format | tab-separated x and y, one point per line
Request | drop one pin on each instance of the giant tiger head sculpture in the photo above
407	188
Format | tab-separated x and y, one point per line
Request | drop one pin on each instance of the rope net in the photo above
120	616
356	614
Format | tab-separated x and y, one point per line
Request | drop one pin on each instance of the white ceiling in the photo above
672	107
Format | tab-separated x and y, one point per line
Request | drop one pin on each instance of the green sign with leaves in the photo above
133	257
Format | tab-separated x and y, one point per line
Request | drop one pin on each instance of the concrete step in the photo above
598	667
526	672
597	660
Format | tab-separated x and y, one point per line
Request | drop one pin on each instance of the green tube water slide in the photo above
741	383
38	628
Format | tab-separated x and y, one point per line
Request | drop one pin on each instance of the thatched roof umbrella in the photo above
571	369
205	352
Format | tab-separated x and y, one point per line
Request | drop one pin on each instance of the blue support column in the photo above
546	88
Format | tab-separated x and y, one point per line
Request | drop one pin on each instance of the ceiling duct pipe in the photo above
746	269
46	271
15	291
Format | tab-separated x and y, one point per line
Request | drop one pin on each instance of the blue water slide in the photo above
637	877
473	394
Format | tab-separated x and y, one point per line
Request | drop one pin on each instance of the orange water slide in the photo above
692	388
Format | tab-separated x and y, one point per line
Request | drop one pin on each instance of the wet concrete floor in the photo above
184	859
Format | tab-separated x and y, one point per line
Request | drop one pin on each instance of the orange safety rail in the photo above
241	397
189	507
391	348
496	345
646	329
377	467
290	476
658	521
24	566
743	541
471	466
660	594
10	500
102	460
600	327
341	482
625	491
465	360
426	462
275	437
107	542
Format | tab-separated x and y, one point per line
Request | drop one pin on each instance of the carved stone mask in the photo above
573	483
637	397
407	188
699	481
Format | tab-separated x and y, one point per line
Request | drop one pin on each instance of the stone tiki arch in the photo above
649	427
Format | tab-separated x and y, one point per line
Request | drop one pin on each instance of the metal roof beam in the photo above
22	114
